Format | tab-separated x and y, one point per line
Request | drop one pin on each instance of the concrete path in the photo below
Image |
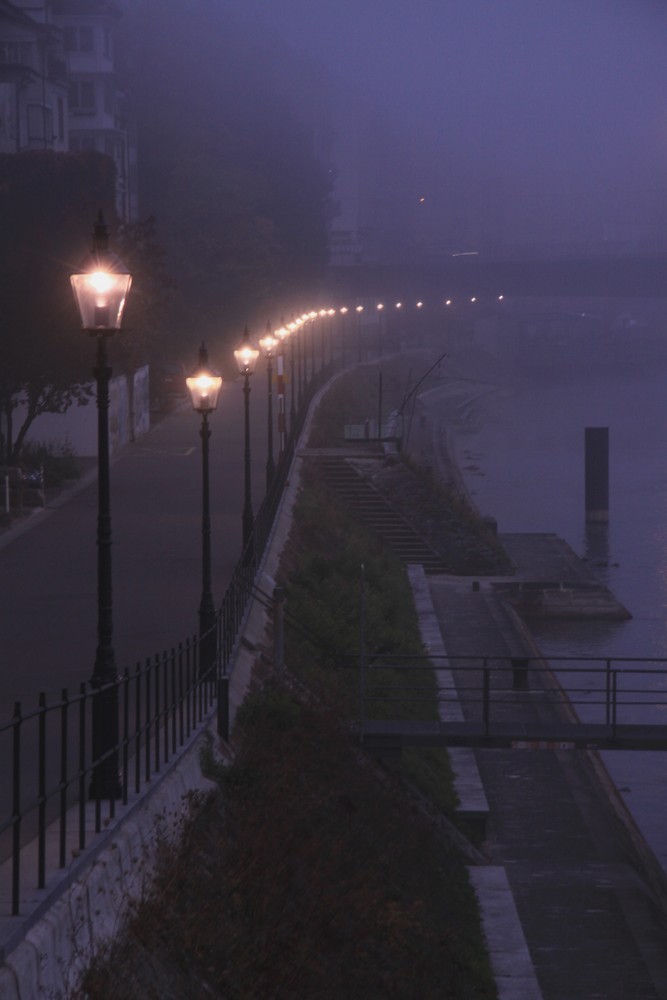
590	917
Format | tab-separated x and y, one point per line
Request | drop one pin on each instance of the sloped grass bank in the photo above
306	876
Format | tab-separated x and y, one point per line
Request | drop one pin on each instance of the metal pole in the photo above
247	502
207	623
106	779
270	465
292	410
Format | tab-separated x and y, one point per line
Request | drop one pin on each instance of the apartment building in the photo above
59	85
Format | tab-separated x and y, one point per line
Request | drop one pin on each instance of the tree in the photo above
48	202
227	164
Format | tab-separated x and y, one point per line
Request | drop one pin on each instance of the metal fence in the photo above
47	755
591	702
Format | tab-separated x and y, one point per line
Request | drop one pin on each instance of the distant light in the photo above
380	305
343	309
474	299
360	309
500	298
399	305
419	305
422	199
448	302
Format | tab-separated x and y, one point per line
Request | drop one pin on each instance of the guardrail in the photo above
590	702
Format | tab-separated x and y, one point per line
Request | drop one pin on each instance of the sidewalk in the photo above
578	875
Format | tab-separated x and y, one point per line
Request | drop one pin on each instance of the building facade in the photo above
60	88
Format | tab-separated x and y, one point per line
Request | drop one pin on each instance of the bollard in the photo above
519	673
597	474
278	629
223	707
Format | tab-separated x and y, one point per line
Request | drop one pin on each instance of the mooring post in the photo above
597	474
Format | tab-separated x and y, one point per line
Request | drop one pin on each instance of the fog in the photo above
487	125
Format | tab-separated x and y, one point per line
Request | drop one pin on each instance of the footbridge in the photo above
513	703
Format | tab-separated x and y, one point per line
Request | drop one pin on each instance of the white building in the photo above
59	86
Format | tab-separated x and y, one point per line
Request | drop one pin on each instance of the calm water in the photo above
521	450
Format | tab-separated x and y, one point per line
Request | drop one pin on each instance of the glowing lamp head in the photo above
268	343
246	355
101	285
343	310
204	385
360	309
420	305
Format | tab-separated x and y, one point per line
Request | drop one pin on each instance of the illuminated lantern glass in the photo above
101	285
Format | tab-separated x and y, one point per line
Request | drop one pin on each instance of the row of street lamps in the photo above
101	286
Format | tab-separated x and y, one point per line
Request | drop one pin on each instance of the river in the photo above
519	442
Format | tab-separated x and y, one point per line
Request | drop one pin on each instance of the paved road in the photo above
48	615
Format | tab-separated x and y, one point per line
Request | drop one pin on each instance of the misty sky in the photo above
542	119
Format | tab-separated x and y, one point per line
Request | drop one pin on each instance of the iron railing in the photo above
605	702
48	762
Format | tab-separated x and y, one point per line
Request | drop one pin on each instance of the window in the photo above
86	40
109	98
81	39
16	52
82	96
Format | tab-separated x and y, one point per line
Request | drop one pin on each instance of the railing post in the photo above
608	692
64	705
223	706
614	704
41	795
486	708
16	808
278	630
519	673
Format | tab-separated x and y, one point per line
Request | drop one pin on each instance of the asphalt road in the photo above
48	574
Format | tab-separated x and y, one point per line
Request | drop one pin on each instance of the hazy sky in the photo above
550	113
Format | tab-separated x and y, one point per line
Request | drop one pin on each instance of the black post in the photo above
106	778
292	409
207	622
597	474
247	502
299	360
270	464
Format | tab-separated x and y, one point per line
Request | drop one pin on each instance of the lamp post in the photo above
359	311
291	326
204	387
246	358
100	287
268	345
380	309
343	334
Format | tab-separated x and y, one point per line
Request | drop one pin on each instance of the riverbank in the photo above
587	885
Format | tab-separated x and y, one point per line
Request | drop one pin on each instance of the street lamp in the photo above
359	311
343	335
100	287
268	344
246	358
204	387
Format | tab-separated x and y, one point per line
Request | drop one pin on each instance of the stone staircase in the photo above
376	513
